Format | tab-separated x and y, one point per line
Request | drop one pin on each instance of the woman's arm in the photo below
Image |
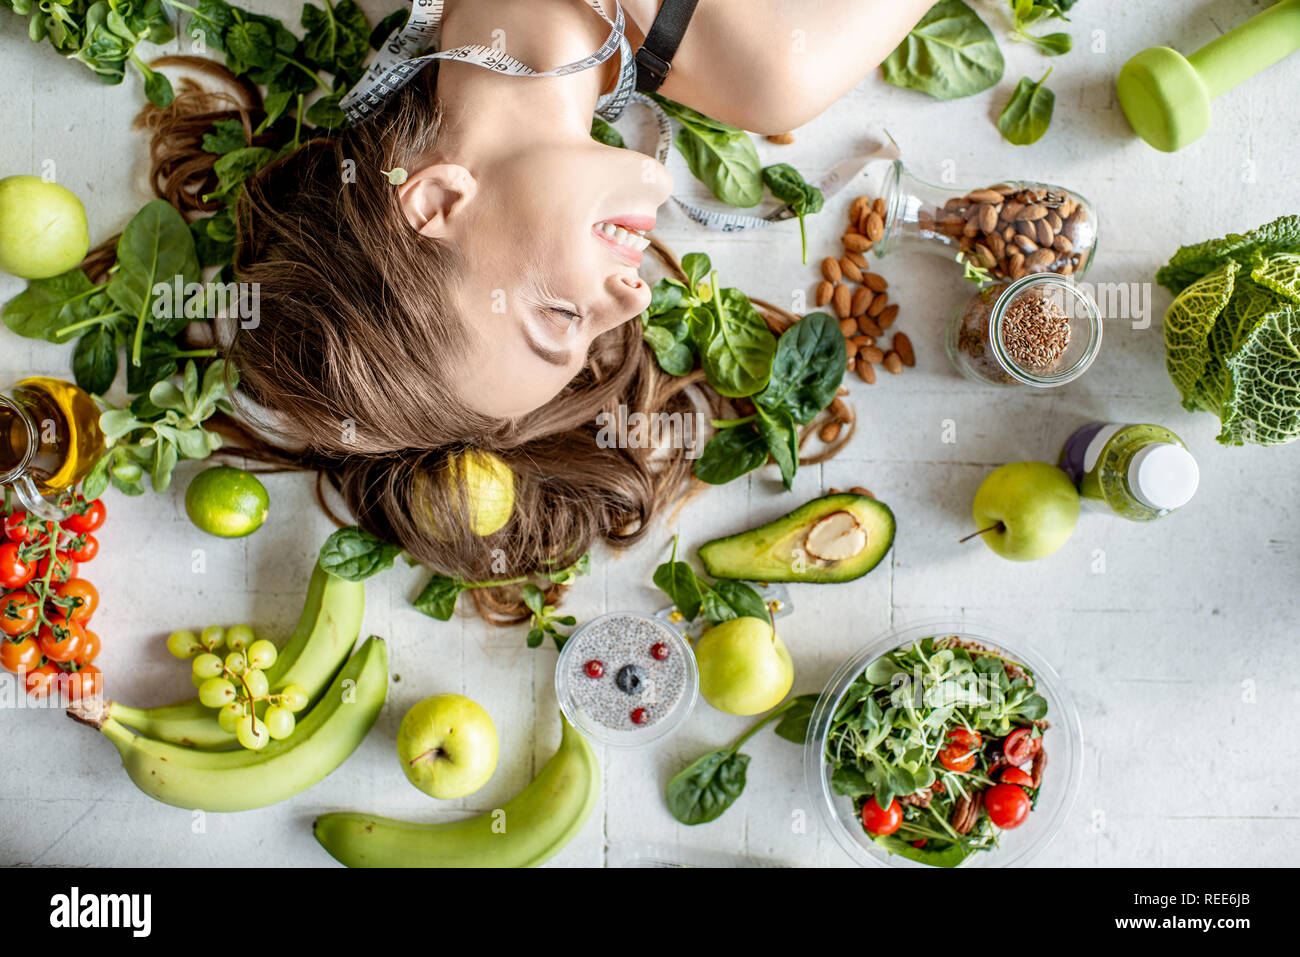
769	66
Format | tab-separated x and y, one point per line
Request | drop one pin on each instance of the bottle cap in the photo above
1163	476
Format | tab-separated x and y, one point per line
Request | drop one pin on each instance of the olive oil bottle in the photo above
1139	472
49	437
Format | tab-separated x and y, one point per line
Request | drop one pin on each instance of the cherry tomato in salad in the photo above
966	738
880	821
86	550
1017	776
15	571
43	680
956	758
21	655
65	567
86	682
89	649
61	639
1007	804
83	593
18	613
921	842
1018	746
16	527
90	520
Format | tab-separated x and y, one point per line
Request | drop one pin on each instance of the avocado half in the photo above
836	538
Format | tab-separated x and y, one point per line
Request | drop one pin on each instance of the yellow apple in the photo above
744	666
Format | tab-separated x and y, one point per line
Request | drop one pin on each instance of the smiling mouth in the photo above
627	242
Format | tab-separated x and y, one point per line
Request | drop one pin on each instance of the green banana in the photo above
241	780
532	827
327	629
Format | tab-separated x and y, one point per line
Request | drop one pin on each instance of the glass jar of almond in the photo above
1040	330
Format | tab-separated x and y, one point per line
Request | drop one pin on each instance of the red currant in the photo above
594	668
638	716
659	651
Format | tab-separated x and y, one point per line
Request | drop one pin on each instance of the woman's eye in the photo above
567	314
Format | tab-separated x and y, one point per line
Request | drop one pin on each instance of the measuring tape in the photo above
403	56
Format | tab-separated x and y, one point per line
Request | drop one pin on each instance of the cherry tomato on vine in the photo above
956	758
65	567
21	655
878	820
89	648
88	521
61	639
86	682
1018	746
86	551
1007	804
43	680
15	571
86	594
966	738
18	613
1017	776
16	527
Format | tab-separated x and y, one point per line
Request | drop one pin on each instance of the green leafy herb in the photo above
603	132
788	185
544	620
1028	12
793	726
720	156
156	247
949	54
677	580
438	597
1028	113
726	599
807	369
354	554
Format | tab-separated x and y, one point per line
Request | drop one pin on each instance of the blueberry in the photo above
629	679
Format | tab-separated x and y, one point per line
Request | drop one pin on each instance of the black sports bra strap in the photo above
655	58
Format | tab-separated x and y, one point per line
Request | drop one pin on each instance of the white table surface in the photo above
1181	653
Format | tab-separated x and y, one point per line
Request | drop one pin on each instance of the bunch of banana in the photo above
240	780
327	629
531	828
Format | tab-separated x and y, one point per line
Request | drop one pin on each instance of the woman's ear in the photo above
431	197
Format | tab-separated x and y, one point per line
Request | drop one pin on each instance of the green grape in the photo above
230	714
256	682
236	663
294	697
252	734
279	722
206	665
261	654
183	644
239	637
212	637
216	692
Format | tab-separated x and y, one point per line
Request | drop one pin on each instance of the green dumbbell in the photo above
1166	97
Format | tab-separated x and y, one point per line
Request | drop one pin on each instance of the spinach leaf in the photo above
1052	44
1028	113
326	114
235	167
730	454
807	369
669	337
697	267
949	54
720	156
355	555
227	136
156	247
794	725
47	305
779	431
337	37
678	581
437	598
602	132
737	355
789	186
726	599
700	792
94	362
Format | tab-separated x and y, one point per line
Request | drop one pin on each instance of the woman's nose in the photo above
631	295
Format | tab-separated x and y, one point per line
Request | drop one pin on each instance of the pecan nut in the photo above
921	798
967	811
1036	769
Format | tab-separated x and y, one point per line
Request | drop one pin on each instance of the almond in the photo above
1031	213
825	289
893	362
861	300
875	282
988	218
878	206
1026	244
903	346
780	139
856	207
1063	245
878	304
857	259
1040	258
1045	234
1010	210
856	242
871	354
840	409
875	226
831	269
984	196
863	339
870	328
849	270
1054	221
865	371
859	490
850	349
829	432
886	318
997	245
842	300
847	326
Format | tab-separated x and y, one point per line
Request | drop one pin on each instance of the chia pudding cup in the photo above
645	667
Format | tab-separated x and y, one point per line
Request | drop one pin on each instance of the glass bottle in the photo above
1139	472
1012	228
49	440
1040	330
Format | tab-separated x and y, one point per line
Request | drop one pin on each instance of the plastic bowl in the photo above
1063	741
588	724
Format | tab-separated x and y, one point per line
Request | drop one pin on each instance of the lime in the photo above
227	502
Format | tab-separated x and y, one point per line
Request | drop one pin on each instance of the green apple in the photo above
448	746
744	667
1026	510
43	229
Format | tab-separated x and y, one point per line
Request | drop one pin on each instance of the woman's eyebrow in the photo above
561	359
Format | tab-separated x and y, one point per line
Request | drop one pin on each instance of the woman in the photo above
484	302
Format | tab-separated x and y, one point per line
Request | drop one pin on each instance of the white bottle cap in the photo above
1163	476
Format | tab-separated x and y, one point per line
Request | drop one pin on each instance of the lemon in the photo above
227	502
489	486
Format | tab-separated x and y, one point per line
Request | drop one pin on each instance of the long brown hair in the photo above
358	343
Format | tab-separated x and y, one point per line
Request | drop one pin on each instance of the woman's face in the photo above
552	241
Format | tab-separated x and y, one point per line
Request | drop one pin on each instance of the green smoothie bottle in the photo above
1139	472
